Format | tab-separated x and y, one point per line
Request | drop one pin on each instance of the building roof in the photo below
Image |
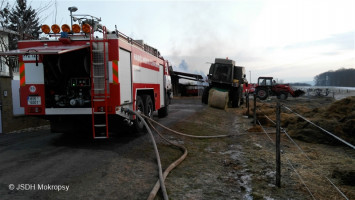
188	76
5	30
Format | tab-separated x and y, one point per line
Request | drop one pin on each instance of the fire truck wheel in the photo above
163	112
140	109
148	106
262	93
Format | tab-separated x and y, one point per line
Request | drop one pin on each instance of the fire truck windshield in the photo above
222	72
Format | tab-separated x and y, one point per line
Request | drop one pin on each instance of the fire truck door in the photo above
125	76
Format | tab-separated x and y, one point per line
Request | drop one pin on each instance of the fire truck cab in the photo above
82	77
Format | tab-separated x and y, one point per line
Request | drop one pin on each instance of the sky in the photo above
291	40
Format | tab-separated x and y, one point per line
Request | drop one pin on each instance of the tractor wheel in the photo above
205	95
140	109
262	93
241	96
236	96
283	96
148	106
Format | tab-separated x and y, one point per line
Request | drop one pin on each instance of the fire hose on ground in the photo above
179	160
161	179
156	187
162	176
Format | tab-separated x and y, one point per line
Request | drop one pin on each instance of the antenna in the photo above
71	10
55	17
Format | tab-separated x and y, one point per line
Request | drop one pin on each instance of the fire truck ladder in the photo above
99	88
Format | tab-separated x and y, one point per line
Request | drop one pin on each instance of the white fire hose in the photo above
162	176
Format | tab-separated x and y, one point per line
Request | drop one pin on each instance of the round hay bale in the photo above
218	99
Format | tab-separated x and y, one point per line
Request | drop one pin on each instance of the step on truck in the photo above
81	77
225	75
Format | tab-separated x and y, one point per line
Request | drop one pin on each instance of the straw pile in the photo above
338	118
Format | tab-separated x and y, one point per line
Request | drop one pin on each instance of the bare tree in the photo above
4	41
22	22
341	77
4	13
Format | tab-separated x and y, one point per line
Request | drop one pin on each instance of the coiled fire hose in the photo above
179	160
162	176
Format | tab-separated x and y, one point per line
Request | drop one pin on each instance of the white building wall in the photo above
17	109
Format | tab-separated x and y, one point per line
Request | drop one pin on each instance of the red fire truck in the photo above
84	76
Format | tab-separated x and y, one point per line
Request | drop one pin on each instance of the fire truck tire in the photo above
205	95
262	93
148	106
140	109
163	112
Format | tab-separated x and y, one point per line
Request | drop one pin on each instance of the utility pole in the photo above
250	76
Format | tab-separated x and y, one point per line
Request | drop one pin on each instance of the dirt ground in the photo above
242	166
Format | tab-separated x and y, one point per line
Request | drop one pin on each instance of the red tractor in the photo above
268	87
